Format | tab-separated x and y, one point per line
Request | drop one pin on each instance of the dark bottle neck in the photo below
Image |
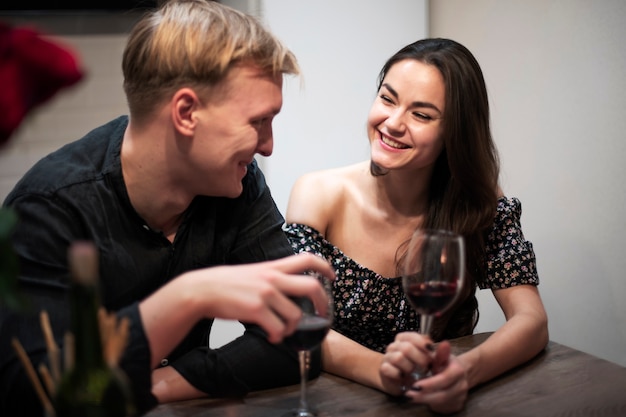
85	326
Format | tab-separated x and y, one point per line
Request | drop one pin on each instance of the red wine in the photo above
431	297
310	333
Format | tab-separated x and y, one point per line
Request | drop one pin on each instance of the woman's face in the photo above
404	124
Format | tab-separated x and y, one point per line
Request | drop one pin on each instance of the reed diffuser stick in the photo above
32	376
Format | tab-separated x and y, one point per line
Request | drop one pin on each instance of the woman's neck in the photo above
400	195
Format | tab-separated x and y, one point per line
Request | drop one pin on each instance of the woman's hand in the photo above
443	392
410	351
446	390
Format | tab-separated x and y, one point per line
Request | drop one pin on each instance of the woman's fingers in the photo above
445	401
441	357
445	391
409	352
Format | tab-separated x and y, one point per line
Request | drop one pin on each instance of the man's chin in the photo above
234	192
231	192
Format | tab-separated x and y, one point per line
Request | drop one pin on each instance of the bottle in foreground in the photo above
89	387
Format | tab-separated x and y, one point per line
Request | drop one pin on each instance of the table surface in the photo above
559	382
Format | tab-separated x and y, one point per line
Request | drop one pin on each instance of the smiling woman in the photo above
407	115
432	165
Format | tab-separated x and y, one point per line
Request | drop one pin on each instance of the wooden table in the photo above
559	382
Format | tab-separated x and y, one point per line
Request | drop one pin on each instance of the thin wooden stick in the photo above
68	343
117	343
114	336
107	325
53	349
44	372
30	372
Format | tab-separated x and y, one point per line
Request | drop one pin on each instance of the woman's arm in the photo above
523	336
346	358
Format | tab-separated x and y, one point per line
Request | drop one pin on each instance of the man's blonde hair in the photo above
194	43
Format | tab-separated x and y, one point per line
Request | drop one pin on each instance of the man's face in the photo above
234	125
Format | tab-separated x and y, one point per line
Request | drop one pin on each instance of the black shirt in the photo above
78	193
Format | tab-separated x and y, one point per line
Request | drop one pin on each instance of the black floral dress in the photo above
372	309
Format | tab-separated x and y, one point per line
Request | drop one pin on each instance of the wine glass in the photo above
311	331
432	275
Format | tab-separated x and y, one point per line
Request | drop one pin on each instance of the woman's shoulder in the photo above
331	177
316	195
328	184
507	221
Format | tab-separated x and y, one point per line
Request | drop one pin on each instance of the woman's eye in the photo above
422	116
385	98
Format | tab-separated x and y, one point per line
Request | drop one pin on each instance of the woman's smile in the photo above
392	143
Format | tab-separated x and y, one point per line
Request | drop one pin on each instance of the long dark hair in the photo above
463	189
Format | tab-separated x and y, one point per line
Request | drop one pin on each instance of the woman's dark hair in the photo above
463	193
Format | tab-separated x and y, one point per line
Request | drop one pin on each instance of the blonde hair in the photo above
194	43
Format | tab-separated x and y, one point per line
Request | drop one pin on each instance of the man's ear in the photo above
184	103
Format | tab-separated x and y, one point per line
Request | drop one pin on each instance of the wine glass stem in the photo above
426	322
304	356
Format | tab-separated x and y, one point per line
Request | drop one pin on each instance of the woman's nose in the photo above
395	120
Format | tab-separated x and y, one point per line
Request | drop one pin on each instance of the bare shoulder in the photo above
332	180
316	195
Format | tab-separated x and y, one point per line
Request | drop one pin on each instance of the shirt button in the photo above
164	362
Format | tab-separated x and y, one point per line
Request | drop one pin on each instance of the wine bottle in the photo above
91	387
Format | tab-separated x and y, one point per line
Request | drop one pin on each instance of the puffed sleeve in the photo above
510	257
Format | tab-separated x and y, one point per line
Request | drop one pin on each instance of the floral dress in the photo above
372	309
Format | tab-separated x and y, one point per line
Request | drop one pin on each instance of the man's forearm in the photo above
168	385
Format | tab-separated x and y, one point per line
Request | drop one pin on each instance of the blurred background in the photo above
555	75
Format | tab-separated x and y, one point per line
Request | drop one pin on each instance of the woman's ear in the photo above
184	103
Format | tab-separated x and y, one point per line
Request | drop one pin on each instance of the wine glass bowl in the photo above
433	274
311	331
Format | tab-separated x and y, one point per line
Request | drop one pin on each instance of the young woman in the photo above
433	164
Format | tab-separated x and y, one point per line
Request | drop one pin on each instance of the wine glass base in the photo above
420	375
300	413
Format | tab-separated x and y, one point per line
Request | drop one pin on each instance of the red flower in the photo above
32	70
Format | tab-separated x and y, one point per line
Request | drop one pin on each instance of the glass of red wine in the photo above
311	331
432	276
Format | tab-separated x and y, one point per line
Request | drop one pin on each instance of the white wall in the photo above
341	46
555	73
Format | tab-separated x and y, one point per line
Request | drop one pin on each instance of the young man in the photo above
185	225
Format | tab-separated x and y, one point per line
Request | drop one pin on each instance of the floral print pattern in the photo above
372	309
